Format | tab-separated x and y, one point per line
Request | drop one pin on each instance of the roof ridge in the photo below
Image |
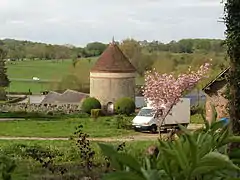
54	92
213	80
113	60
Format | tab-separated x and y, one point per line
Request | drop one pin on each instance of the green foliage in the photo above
70	82
19	50
143	55
95	113
232	18
4	81
61	127
187	46
86	152
7	167
123	122
90	103
125	106
198	109
135	52
193	155
96	48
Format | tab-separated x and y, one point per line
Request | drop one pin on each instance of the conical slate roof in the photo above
114	61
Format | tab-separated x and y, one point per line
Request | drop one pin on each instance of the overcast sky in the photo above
79	22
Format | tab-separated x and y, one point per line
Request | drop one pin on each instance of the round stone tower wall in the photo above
108	87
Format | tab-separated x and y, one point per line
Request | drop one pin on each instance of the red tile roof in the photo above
113	60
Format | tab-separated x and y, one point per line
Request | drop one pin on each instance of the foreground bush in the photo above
7	167
123	122
125	106
198	155
90	103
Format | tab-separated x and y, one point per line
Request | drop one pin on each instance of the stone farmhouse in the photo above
215	95
112	77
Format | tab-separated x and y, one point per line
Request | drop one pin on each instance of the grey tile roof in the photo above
68	97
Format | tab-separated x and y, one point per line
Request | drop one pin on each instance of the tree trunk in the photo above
232	20
3	95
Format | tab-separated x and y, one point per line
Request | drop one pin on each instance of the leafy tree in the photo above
185	46
164	65
69	82
18	50
74	62
4	81
163	91
96	48
232	19
132	49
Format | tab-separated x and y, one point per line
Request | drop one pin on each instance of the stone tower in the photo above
112	77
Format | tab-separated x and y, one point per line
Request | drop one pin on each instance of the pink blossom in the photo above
165	90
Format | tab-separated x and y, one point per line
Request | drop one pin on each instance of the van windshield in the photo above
146	112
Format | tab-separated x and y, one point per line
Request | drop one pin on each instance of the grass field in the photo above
197	119
35	87
102	127
43	69
49	70
67	155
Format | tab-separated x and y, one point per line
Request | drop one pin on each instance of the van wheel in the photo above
153	129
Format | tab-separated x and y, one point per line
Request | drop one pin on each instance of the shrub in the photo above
125	106
90	103
7	167
198	155
123	122
197	109
95	113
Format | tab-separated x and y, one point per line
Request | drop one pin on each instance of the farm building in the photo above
112	77
215	95
68	97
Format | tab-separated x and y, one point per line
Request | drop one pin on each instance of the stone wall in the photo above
40	108
219	102
108	87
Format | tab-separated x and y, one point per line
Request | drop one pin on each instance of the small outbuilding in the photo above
112	77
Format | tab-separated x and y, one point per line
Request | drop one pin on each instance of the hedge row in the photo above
125	106
36	115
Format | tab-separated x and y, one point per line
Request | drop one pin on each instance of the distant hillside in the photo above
174	57
186	46
18	50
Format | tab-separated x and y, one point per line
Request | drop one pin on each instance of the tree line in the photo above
18	50
162	60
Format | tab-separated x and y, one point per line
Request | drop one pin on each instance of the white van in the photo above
146	119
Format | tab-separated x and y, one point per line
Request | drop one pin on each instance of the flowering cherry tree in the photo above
163	91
